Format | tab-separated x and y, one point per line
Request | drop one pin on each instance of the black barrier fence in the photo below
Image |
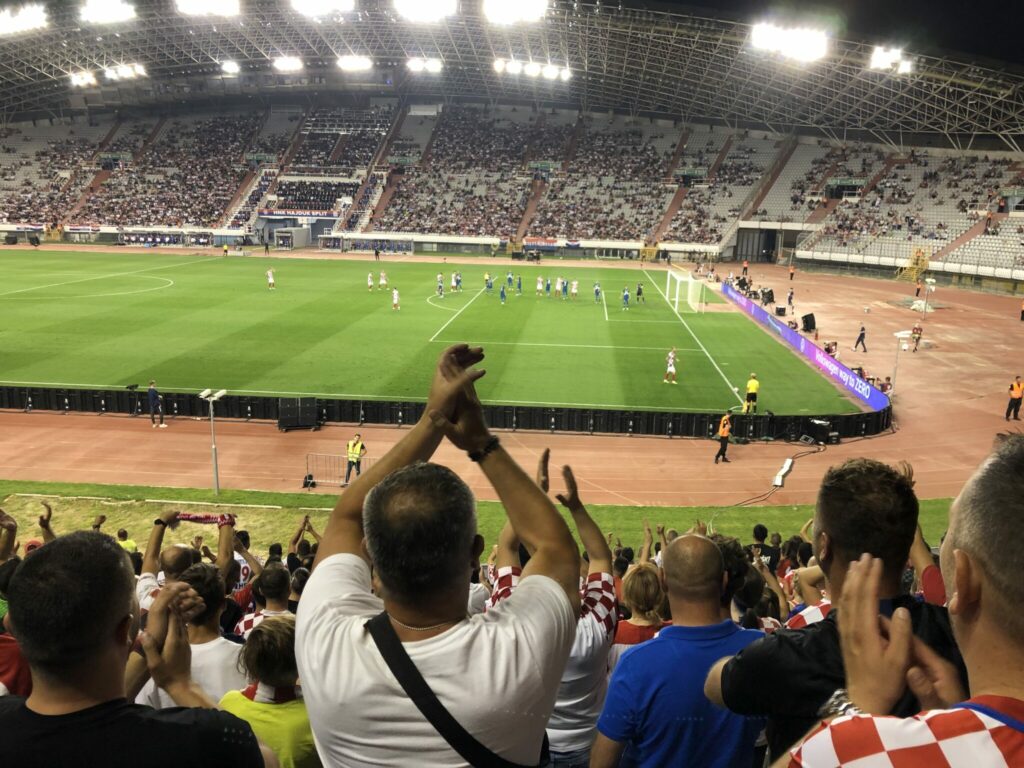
538	418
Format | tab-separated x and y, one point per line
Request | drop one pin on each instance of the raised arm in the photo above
597	548
45	523
507	548
255	566
537	523
151	559
225	545
312	531
648	544
8	533
344	532
293	545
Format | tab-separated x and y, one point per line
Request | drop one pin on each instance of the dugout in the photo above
289	238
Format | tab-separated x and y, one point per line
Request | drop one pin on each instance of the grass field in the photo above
126	507
193	321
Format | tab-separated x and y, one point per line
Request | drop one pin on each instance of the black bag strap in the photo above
426	701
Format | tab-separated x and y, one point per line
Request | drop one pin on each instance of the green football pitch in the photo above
193	321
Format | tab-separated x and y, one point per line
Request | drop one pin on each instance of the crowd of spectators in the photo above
313	195
244	214
187	177
39	182
386	641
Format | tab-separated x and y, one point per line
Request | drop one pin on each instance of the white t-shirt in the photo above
214	669
146	589
497	673
394	296
478	595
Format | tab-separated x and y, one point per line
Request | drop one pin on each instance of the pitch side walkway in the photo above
949	407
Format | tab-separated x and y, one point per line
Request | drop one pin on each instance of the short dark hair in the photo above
735	563
303	548
66	598
619	566
275	582
206	580
299	579
988	526
627	552
243	536
275	550
122	534
420	525
760	532
867	506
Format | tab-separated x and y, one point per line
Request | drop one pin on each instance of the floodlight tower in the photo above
212	397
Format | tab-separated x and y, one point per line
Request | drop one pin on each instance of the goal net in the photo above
682	291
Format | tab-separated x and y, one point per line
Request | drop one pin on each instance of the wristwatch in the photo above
489	447
838	705
160	521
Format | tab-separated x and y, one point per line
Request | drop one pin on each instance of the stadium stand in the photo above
313	195
186	176
44	169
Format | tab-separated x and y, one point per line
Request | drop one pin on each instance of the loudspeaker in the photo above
809	323
308	482
10	239
768	297
780	311
33	240
297	413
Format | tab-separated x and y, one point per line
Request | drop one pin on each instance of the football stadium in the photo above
329	327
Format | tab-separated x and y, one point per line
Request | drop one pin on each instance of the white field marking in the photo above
430	301
105	277
353	396
167	284
605	305
699	343
452	318
474	342
635	322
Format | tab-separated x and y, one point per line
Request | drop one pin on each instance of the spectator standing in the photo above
979	564
128	545
415	524
862	506
355	449
643	596
1016	394
156	405
770	551
272	702
274	583
655	703
214	659
74	614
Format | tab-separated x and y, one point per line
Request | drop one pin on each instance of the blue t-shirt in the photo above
656	700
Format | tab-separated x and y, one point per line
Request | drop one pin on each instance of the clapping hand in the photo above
44	519
571	498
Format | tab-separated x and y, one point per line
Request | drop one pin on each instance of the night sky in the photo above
983	29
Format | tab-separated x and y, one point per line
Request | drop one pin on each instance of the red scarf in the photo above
268	694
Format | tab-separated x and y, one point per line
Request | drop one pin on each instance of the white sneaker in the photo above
163	426
153	426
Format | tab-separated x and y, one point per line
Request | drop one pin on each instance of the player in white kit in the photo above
394	299
670	367
574	288
540	286
369	282
383	283
270	279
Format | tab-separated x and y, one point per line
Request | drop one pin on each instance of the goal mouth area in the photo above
681	289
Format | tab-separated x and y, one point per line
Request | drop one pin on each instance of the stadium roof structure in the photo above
656	60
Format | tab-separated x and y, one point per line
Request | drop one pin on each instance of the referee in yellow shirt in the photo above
753	387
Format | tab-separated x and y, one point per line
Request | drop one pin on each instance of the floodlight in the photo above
107	11
532	69
139	70
905	67
354	63
513	67
288	64
219	394
505	12
425	11
125	72
566	74
499	65
800	43
433	66
13	21
205	393
314	8
229	67
83	79
550	72
884	58
208	7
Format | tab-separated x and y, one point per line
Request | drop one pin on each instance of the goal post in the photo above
682	288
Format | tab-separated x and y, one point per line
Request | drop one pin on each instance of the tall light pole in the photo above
212	397
901	338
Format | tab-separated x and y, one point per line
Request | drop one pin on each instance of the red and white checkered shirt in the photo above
252	620
597	599
505	579
812	614
942	738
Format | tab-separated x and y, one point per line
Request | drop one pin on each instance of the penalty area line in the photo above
453	317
